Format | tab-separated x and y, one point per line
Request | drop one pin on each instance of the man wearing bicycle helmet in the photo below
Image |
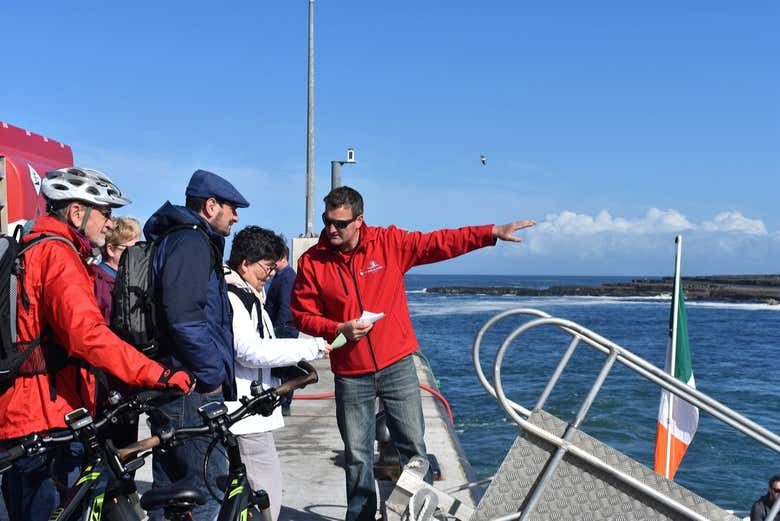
57	307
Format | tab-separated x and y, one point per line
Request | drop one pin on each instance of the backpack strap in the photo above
216	258
30	345
25	246
249	300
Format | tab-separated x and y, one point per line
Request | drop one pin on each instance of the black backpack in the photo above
14	353
133	300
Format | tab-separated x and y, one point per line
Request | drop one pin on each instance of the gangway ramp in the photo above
555	471
580	490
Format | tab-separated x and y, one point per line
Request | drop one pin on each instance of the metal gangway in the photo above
555	471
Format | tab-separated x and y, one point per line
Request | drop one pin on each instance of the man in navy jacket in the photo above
277	305
195	318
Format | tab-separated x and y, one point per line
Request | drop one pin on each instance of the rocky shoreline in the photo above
725	288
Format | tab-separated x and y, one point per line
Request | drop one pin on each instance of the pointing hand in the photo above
505	232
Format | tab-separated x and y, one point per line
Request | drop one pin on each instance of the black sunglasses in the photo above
339	224
105	211
777	490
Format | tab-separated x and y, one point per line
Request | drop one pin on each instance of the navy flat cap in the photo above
205	184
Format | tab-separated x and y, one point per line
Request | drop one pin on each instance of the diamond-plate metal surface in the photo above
578	490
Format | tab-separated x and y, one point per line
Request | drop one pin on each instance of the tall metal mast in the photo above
310	132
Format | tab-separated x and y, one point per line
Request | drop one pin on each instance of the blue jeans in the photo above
183	464
35	485
398	389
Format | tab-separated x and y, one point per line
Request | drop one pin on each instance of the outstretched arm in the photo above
505	232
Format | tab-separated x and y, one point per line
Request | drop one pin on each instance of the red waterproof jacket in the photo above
329	289
62	304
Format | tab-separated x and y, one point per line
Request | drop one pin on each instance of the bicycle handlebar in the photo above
143	401
11	455
311	377
248	407
38	443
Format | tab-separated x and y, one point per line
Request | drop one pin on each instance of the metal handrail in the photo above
614	353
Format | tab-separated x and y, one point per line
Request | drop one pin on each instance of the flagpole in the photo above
673	350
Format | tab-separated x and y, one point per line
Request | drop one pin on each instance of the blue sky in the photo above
616	125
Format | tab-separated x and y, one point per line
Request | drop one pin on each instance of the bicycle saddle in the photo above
172	497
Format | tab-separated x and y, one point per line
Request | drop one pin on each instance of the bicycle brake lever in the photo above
134	464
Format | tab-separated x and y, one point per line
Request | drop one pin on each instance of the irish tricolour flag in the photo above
677	419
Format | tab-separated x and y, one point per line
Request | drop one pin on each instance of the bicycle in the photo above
239	501
105	464
85	500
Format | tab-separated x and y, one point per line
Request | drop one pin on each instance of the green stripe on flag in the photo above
683	369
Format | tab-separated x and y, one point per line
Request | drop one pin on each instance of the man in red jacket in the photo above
56	302
356	268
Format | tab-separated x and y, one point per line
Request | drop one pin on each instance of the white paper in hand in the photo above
370	317
367	316
339	341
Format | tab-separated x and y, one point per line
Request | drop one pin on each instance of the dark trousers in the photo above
35	485
397	387
183	465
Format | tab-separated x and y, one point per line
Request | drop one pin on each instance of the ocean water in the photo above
734	349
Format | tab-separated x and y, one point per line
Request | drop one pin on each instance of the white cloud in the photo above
582	243
653	222
734	222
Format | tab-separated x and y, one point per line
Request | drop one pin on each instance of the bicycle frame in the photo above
86	496
86	499
239	497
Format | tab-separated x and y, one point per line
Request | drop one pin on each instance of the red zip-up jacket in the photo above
329	289
62	300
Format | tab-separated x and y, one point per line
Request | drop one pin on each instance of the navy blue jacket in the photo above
192	299
277	303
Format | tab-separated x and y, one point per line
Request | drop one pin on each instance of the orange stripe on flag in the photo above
678	449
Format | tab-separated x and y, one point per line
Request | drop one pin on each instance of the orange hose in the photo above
313	396
441	398
431	390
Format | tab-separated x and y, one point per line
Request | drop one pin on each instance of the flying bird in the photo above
483	158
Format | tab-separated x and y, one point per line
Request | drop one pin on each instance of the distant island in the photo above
727	288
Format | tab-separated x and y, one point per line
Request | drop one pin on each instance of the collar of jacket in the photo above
52	226
169	215
234	279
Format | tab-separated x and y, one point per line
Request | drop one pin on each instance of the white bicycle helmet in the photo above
82	184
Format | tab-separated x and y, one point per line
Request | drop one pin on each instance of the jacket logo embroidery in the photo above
373	266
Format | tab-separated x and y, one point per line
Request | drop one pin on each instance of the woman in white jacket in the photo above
252	262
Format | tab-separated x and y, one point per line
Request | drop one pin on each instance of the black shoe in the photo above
285	411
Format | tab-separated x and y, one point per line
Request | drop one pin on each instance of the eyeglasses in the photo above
777	490
269	268
339	224
105	211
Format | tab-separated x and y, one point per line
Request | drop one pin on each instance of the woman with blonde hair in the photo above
126	232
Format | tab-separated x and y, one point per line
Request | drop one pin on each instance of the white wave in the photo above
746	306
416	291
462	305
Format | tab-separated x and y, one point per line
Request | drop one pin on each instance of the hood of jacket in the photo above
232	278
170	215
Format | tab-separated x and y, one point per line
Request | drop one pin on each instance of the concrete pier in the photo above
311	453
